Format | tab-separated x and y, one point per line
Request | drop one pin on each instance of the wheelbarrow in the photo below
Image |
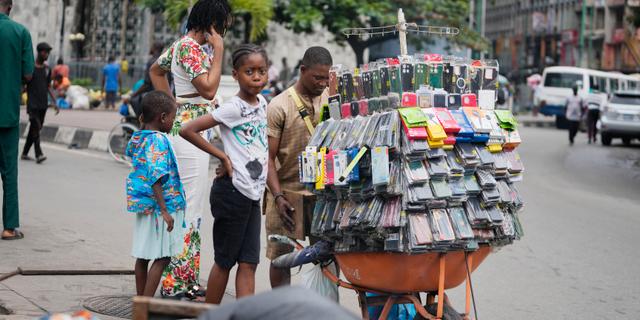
400	277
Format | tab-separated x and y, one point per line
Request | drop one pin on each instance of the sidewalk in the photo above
81	129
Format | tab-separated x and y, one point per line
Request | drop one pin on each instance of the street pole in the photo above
61	50
402	29
592	34
123	28
583	16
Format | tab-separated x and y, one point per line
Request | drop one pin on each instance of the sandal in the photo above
17	235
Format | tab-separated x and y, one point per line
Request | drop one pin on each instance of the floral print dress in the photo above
186	60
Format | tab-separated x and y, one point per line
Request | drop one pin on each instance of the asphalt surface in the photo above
578	258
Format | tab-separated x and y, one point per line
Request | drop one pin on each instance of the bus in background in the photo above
594	86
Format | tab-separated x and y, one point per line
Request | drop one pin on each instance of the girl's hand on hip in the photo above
224	169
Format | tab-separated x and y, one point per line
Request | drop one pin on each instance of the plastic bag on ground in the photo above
314	279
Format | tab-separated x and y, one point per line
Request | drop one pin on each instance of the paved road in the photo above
578	258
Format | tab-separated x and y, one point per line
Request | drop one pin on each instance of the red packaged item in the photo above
364	107
328	179
451	139
469	100
417	133
433	57
345	110
409	99
449	124
393	61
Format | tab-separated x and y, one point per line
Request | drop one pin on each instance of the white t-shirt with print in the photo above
244	135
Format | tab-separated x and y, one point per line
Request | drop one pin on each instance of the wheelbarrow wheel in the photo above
448	312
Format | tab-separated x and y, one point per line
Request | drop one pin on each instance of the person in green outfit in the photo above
16	63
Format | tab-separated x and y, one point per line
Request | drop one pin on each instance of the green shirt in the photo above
16	62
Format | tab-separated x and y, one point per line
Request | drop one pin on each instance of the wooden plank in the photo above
145	307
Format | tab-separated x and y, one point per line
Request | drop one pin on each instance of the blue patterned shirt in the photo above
153	159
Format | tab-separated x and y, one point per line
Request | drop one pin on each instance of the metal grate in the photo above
114	306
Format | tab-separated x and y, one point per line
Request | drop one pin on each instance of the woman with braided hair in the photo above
196	78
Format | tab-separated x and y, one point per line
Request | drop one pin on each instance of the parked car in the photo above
621	118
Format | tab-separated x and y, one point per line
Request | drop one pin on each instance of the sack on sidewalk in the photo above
314	279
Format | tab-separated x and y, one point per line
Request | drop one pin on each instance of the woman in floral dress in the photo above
196	78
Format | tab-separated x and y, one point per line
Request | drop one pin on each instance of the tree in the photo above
255	14
303	15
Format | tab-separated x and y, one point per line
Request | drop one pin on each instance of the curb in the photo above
72	137
538	123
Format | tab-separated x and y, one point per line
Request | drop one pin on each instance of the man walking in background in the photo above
111	82
16	63
38	88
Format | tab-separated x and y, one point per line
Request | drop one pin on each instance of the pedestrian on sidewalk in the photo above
289	134
38	94
575	109
154	193
111	82
240	181
16	63
60	69
196	78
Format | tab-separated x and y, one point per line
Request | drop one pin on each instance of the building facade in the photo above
529	35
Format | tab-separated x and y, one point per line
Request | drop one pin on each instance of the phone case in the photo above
465	127
469	100
487	99
461	225
447	77
363	107
329	168
440	99
421	75
334	111
385	81
345	110
367	84
407	77
376	83
449	124
444	230
355	108
340	164
380	166
396	80
358	87
409	99
424	98
348	94
333	82
454	101
435	75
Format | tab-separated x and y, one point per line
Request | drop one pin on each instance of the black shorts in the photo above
236	228
111	97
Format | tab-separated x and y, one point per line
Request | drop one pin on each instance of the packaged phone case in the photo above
475	77
367	84
461	225
334	110
394	100
355	108
385	80
469	100
348	90
425	98
449	124
465	127
345	110
471	185
409	99
485	179
376	83
358	86
447	77
434	128
490	79
333	81
487	99
454	101
340	163
406	77
435	75
421	75
363	107
439	99
459	79
374	105
380	166
395	79
443	231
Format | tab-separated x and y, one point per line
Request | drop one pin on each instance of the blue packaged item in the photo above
354	175
480	137
466	130
460	139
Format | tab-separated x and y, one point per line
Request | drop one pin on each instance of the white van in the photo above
557	83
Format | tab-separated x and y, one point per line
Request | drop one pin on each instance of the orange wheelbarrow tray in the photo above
401	277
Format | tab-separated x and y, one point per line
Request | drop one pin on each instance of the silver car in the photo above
621	118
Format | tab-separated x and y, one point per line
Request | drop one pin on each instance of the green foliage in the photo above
259	11
302	15
83	82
